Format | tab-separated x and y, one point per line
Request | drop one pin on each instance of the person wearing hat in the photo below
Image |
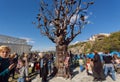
41	63
5	66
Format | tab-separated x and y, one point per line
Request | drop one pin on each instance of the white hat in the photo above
41	54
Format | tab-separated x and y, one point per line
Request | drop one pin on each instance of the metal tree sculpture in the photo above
61	21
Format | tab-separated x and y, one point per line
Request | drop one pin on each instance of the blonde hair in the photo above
3	47
12	55
25	55
41	54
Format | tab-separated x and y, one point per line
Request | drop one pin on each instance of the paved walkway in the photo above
79	77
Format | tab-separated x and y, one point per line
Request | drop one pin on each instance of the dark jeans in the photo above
41	72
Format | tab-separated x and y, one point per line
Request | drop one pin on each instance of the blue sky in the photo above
16	17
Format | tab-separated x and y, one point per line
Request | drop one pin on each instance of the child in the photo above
23	72
89	66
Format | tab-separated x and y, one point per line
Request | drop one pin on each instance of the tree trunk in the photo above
61	51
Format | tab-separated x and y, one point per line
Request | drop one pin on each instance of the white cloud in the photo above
51	24
43	49
29	40
73	43
89	22
86	17
74	18
50	49
91	13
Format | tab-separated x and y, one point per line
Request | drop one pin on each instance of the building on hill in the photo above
99	36
85	46
16	44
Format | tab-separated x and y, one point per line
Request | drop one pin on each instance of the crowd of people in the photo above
11	64
99	66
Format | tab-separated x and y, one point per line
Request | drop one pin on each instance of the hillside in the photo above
110	43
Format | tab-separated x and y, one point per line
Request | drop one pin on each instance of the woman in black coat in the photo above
45	69
97	67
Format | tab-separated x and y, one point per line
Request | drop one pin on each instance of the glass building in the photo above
16	44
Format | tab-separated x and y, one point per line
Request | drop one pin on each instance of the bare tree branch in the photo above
64	21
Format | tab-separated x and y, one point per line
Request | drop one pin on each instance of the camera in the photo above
15	60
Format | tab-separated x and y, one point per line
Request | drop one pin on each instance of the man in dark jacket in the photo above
108	66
